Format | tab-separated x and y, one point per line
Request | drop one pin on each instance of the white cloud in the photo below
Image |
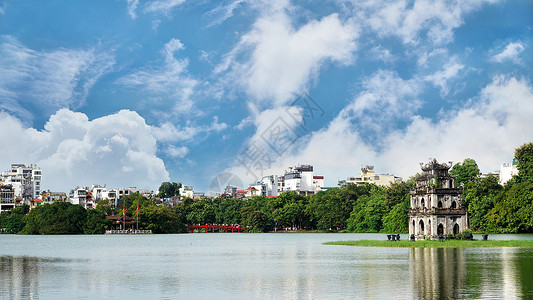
162	6
132	6
118	150
443	77
510	53
414	21
169	132
170	79
223	12
382	54
47	80
275	54
488	130
176	152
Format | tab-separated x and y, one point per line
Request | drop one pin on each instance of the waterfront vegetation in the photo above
491	208
435	243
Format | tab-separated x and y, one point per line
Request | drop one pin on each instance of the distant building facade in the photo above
301	179
25	181
436	204
508	170
369	176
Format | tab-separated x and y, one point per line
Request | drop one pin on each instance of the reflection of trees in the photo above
437	273
19	277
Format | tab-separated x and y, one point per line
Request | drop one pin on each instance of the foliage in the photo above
169	189
524	155
55	218
96	222
465	172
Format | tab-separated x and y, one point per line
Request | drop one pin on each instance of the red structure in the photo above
215	227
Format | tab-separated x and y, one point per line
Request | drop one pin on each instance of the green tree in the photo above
524	155
465	172
169	189
160	219
96	222
368	212
479	199
12	222
254	219
55	218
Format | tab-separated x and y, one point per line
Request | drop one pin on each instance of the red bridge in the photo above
217	227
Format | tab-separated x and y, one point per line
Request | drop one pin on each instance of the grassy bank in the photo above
434	244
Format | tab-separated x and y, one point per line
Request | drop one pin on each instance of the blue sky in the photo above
133	93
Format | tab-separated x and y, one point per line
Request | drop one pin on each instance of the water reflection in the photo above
19	277
437	273
476	273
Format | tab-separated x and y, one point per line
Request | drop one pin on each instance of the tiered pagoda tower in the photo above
436	204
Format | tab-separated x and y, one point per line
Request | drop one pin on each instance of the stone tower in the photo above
436	204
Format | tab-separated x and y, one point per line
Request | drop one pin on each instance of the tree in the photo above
480	199
466	172
56	218
169	189
96	222
524	155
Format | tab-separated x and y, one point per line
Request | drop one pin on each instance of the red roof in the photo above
251	189
241	191
36	200
18	200
318	177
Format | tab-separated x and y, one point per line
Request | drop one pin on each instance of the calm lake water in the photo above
255	266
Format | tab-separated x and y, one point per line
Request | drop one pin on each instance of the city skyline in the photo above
134	93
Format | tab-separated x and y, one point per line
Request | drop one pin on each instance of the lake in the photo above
255	266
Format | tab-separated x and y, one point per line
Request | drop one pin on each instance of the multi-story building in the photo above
79	196
436	204
508	170
300	179
267	186
51	197
369	176
186	191
7	197
25	180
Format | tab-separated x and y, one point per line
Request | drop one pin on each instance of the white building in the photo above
267	186
369	176
507	171
7	197
25	181
300	179
186	191
78	196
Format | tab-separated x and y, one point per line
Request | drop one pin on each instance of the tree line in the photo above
491	208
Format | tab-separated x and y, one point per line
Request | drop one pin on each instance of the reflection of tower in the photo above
436	204
20	277
438	273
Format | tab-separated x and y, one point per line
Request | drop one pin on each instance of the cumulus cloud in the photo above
118	150
511	52
488	130
275	54
47	80
414	21
170	79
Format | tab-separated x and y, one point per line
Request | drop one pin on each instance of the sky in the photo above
134	93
